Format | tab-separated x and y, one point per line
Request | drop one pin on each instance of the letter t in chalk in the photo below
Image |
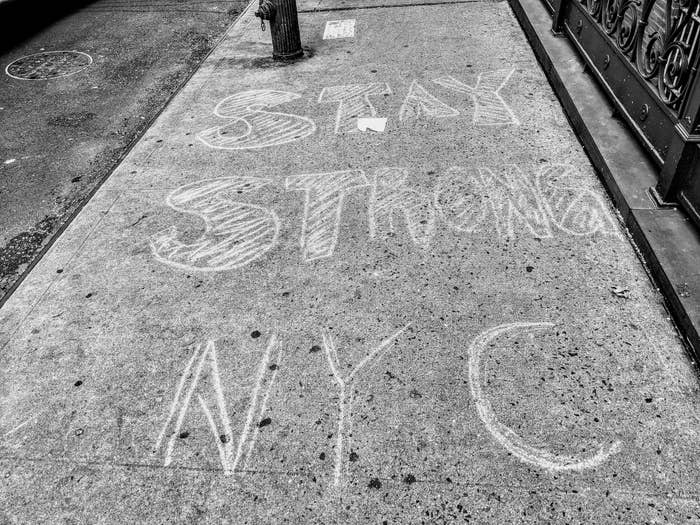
325	193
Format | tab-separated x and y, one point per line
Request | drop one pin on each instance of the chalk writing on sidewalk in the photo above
483	199
502	202
252	126
353	102
571	209
504	435
390	194
203	378
490	109
323	203
419	102
200	388
235	233
346	385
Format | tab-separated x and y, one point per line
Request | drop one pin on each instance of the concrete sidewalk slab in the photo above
266	315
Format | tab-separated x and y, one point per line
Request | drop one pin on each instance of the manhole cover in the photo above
51	64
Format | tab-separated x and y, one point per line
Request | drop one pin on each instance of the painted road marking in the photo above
339	29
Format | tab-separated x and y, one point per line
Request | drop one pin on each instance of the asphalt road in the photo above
60	137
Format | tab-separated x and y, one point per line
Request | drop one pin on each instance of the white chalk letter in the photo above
325	193
461	200
254	128
235	233
353	103
572	208
419	102
346	386
489	107
504	435
515	202
219	425
470	199
218	420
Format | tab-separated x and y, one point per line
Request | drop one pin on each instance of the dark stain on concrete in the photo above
374	483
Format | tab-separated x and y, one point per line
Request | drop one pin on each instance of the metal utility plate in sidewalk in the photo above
268	315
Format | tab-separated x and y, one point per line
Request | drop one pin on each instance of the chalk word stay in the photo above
487	201
252	125
200	388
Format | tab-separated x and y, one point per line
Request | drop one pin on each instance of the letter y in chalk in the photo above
347	391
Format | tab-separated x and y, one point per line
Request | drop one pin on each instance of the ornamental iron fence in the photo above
645	54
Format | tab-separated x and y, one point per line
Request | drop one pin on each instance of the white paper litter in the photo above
371	124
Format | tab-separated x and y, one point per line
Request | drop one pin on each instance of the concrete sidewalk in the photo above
267	315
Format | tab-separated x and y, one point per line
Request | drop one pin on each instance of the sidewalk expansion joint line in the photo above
389	6
617	493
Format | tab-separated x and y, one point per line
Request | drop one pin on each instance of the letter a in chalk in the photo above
419	102
325	193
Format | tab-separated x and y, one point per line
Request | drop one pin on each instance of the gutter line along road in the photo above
63	133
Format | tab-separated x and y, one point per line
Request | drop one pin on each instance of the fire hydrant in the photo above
284	27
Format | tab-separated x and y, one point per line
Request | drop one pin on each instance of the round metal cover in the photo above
48	65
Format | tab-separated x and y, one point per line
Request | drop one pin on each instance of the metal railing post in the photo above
683	155
558	17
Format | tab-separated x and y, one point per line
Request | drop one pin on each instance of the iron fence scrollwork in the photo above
646	54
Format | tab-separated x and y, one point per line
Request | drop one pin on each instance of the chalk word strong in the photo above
200	388
486	201
252	125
